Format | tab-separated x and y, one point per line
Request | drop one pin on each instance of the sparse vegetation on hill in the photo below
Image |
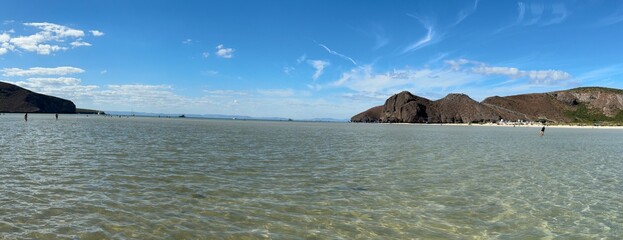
596	89
586	105
583	114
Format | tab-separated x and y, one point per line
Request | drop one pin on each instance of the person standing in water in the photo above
542	131
56	115
26	117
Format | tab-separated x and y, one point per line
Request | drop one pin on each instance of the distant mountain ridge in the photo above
586	104
14	99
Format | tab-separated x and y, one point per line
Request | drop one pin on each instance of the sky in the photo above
303	59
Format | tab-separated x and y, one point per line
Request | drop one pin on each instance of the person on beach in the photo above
56	116
26	117
542	131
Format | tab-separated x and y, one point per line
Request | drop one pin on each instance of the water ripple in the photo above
144	178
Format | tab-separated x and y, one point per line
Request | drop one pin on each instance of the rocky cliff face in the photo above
15	99
605	100
460	108
371	115
405	107
560	106
529	107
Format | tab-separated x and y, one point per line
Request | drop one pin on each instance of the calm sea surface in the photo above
148	178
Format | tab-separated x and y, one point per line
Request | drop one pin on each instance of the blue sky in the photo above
303	59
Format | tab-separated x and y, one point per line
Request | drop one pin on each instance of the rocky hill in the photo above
14	99
588	105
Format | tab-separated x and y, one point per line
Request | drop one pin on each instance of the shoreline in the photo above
511	125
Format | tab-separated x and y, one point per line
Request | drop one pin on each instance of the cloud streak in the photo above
319	65
337	54
430	37
615	18
40	71
463	14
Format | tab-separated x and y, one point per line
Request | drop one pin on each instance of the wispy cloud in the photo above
96	33
430	37
559	14
187	41
288	70
224	52
301	59
538	14
615	18
380	37
463	14
460	75
545	77
428	82
319	65
602	76
40	71
277	92
80	43
521	12
337	54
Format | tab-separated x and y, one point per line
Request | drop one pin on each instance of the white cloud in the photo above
5	45
56	31
53	81
369	82
508	71
463	14
539	14
49	39
559	13
188	41
301	59
319	65
64	87
521	12
288	70
338	54
209	73
430	37
96	33
41	71
223	52
226	93
4	37
80	43
277	92
546	77
205	54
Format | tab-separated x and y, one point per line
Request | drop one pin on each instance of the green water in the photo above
149	178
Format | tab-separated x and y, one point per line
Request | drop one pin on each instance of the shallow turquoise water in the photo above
144	178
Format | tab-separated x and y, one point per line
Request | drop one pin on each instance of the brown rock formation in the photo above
460	108
560	106
529	107
405	107
608	101
371	115
15	99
